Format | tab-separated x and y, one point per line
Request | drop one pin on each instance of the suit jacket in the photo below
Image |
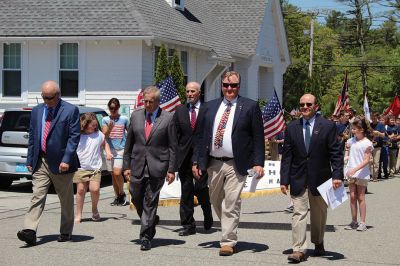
62	139
324	159
158	151
247	135
185	133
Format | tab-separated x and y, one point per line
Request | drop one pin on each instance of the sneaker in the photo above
122	200
362	227
289	209
353	225
115	202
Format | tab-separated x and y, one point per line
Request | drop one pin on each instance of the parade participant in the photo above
311	155
90	148
114	128
393	134
379	134
357	170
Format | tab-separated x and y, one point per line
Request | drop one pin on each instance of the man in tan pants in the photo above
311	155
54	134
230	142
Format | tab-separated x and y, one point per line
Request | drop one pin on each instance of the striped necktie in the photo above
46	130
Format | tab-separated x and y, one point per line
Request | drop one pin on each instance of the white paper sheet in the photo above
332	197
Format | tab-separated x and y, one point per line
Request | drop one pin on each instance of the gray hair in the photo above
153	89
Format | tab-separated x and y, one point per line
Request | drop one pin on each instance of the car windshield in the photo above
16	121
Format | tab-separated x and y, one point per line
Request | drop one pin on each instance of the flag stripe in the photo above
274	121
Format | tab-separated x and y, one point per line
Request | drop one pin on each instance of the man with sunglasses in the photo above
230	143
311	156
54	134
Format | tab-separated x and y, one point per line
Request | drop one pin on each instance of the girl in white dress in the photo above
357	170
90	148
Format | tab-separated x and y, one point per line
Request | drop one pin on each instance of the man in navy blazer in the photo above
230	142
311	156
54	135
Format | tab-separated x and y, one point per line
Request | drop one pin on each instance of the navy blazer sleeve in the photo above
74	136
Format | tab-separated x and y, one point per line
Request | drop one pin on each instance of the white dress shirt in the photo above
226	149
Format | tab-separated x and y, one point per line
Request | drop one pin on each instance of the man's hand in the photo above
196	172
63	167
170	178
109	156
127	174
284	189
259	170
336	183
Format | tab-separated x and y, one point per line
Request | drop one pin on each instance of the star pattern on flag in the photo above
169	98
273	117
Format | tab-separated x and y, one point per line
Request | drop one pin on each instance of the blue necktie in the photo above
307	136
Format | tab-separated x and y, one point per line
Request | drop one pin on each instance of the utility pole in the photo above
310	66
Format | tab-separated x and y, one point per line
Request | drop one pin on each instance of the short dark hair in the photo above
114	101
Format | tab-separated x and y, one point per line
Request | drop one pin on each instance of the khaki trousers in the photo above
225	186
392	160
376	156
41	181
318	213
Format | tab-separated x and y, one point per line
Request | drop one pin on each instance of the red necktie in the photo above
148	126
46	129
193	116
219	135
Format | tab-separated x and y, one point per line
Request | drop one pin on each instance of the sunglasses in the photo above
49	98
306	104
233	85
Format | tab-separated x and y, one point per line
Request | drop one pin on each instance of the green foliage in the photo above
337	49
162	68
176	70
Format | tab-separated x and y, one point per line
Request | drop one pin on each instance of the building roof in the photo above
227	27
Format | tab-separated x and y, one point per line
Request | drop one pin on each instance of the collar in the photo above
311	120
233	102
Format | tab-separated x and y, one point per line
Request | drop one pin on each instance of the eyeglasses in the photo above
304	104
49	98
233	85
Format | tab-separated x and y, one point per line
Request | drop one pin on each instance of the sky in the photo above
310	5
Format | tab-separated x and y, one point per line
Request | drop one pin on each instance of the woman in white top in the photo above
357	170
90	148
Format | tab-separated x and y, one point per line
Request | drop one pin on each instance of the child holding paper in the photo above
357	170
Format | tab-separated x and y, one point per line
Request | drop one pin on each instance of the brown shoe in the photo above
227	251
319	250
297	257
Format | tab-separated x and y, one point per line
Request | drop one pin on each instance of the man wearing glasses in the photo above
311	155
230	143
54	134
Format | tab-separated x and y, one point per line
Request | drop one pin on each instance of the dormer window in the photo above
177	4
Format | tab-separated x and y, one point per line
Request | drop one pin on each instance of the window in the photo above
69	73
184	64
12	70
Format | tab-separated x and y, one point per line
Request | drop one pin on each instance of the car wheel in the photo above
5	183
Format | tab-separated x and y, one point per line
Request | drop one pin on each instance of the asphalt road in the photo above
264	234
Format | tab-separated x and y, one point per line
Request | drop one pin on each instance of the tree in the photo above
176	71
162	68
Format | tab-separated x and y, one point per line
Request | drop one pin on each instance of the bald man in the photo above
185	118
54	135
311	156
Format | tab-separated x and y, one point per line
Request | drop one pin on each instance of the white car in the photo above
14	135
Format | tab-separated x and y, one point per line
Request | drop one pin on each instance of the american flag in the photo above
169	99
139	101
273	118
343	99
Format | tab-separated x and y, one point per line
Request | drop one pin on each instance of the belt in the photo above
223	159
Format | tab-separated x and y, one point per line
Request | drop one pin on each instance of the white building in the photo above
98	49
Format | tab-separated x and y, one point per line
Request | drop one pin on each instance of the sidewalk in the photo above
264	235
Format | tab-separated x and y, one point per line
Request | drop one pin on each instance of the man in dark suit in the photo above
311	155
149	158
185	118
230	142
53	138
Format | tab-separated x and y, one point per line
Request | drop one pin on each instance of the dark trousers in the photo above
384	161
145	193
189	189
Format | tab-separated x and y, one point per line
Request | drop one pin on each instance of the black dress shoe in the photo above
145	245
64	238
208	223
27	235
319	250
187	231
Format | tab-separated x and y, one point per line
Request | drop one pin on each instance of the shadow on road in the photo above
53	238
330	255
161	242
241	246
